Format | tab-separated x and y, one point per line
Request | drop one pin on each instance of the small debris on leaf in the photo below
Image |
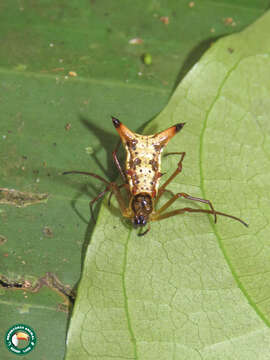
147	59
58	69
89	150
47	231
191	4
165	20
3	239
68	126
135	41
229	21
72	73
20	67
34	285
20	198
27	284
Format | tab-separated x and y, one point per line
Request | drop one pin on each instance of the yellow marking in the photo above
143	176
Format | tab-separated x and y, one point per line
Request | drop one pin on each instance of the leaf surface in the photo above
53	122
191	289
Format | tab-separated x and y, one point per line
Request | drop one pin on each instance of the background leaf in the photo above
191	289
41	42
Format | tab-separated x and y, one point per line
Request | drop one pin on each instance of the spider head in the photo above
142	207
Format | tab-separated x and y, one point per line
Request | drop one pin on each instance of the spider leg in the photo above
109	200
110	186
126	211
189	197
91	203
117	162
169	191
158	216
182	211
174	174
122	172
87	173
111	194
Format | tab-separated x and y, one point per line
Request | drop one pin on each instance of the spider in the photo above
141	178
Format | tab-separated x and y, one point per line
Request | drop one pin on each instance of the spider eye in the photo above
139	221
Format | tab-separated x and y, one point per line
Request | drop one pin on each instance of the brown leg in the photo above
182	211
186	196
110	186
87	173
111	194
126	212
91	203
176	172
169	191
114	190
115	158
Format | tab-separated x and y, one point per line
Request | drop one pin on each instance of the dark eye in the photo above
139	221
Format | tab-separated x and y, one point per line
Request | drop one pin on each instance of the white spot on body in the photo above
144	177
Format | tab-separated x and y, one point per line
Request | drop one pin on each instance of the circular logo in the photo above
20	339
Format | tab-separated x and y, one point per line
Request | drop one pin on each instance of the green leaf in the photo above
44	220
192	289
52	122
92	37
